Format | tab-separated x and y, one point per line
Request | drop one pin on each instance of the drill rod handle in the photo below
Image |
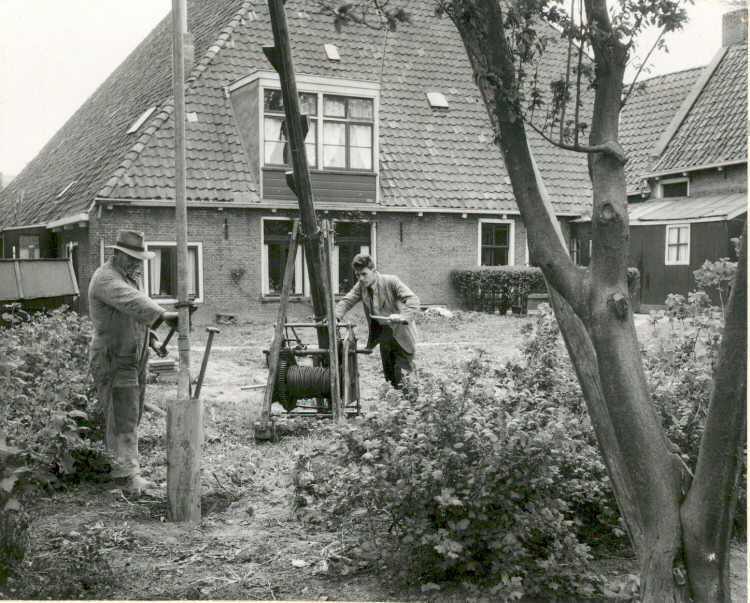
386	319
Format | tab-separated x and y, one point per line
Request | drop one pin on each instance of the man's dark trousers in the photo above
398	364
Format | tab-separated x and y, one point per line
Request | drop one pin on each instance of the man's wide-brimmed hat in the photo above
131	242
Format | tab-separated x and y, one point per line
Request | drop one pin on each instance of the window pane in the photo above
486	234
501	235
360	153
334	133
671	236
277	229
275	137
486	257
334	145
353	230
272	101
308	103
682	234
672	253
674	189
360	108
334	106
360	158
28	247
499	257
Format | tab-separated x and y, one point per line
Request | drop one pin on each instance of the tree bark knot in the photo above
608	214
613	149
619	304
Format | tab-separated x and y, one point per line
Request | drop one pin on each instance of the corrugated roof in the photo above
646	115
715	129
38	279
689	208
436	158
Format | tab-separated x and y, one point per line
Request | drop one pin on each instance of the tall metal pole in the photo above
184	415
179	28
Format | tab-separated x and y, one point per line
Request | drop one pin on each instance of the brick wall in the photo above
732	179
420	250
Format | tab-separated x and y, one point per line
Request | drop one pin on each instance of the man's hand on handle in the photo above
171	319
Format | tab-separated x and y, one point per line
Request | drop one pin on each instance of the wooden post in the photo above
262	430
333	348
184	416
184	450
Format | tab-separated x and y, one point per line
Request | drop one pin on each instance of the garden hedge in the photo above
500	288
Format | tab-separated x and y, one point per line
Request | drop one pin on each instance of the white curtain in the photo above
192	263
154	273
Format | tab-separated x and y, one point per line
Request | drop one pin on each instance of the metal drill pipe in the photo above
283	64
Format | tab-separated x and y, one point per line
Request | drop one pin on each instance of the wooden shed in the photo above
671	238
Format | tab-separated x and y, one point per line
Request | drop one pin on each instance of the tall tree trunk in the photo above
708	512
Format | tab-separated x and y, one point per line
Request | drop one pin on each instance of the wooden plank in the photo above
184	451
278	331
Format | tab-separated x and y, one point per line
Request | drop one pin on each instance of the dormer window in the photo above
346	130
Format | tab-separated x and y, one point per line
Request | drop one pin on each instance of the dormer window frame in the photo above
675	180
321	86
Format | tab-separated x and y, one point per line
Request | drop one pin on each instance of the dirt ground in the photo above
250	545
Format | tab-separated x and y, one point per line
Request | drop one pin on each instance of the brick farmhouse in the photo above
402	161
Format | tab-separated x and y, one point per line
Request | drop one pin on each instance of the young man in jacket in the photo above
385	295
123	318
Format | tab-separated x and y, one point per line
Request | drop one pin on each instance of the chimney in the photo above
734	28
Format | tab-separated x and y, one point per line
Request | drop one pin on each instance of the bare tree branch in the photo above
610	147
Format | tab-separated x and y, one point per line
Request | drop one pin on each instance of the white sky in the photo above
54	54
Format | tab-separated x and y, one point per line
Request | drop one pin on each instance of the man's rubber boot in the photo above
136	484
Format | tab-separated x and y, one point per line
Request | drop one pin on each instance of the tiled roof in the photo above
690	208
649	110
715	129
436	158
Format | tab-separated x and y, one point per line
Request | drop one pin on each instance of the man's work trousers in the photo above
399	367
121	385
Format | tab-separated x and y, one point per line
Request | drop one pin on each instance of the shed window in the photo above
495	244
678	245
676	187
276	241
28	247
350	239
161	271
575	250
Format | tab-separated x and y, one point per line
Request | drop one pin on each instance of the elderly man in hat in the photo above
123	318
384	295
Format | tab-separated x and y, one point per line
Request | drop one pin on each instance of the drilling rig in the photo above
333	379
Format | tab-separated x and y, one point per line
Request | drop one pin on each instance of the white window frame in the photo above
511	239
161	300
661	183
667	261
301	280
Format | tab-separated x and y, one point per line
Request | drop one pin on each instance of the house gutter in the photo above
694	168
74	219
364	207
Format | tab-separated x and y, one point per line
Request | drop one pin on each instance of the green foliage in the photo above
486	475
680	371
491	288
46	417
716	276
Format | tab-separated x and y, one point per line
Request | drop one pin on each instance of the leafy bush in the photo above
473	478
46	411
491	288
498	288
